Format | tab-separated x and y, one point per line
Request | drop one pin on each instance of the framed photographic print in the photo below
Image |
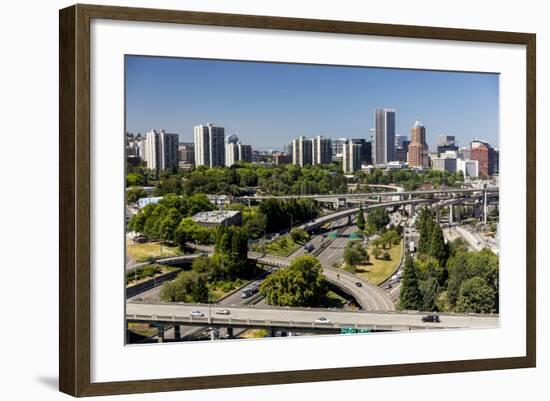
260	200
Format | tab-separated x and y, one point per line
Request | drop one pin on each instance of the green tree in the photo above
429	289
376	252
425	224
301	284
134	180
133	194
360	219
475	296
299	235
232	251
438	249
189	286
168	224
355	253
377	219
410	297
255	224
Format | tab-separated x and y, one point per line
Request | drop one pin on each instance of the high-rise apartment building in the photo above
209	145
418	152
302	151
235	152
351	157
160	150
186	152
321	150
384	136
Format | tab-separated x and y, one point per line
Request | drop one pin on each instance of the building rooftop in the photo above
214	216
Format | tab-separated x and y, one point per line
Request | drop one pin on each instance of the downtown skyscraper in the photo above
384	136
209	145
418	154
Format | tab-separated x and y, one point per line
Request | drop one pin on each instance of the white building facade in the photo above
209	145
160	150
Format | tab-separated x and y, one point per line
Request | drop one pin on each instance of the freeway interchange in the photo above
378	308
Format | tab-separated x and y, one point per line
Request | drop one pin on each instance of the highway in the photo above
320	221
368	296
334	252
372	194
297	318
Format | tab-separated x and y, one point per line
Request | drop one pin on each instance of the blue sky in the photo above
268	104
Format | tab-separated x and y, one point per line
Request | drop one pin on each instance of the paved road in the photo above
300	318
335	251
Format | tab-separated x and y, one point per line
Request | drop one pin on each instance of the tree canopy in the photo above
300	284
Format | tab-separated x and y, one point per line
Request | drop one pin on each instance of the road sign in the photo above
353	236
352	330
332	235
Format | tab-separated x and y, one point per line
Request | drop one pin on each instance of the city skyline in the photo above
177	94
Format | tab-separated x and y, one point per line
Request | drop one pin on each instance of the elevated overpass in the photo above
297	319
433	192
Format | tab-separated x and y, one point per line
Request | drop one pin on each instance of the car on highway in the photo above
309	247
196	313
223	312
322	320
358	284
431	319
247	293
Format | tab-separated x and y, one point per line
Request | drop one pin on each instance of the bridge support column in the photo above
213	334
177	332
349	220
451	210
437	216
485	207
160	334
272	332
230	332
458	215
412	209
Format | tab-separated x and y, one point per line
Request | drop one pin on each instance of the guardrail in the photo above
268	323
320	310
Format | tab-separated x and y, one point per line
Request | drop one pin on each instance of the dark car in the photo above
358	284
431	319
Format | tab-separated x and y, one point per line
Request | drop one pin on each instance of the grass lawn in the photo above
142	329
220	289
151	250
378	270
335	300
282	246
146	273
254	333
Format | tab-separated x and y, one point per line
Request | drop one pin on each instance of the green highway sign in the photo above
353	236
352	330
332	235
